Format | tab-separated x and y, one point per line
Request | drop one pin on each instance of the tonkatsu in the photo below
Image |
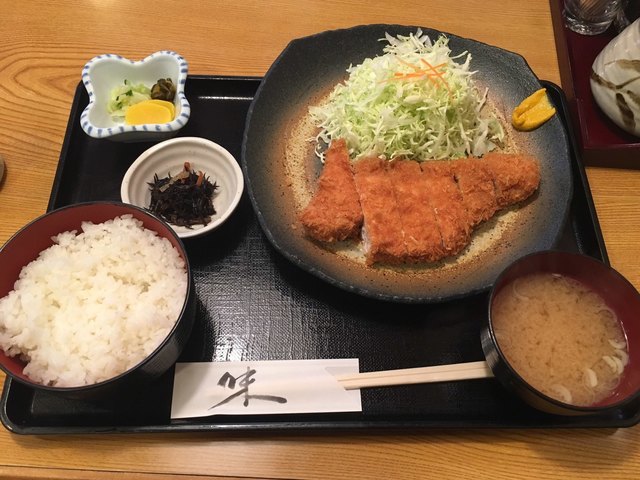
382	228
408	212
419	225
334	213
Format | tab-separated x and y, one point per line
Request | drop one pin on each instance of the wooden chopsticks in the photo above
406	376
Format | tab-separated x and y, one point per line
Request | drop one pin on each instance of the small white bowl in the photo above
105	72
168	157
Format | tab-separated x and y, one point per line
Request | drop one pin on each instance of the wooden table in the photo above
43	46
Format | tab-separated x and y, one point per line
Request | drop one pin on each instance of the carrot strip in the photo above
435	83
419	73
408	64
437	74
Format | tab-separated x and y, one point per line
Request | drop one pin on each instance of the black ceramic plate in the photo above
280	167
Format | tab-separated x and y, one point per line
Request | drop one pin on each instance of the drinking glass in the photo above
590	17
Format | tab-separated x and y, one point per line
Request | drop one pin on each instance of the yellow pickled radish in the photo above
533	111
166	104
148	111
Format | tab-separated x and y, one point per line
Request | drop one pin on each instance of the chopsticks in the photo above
406	376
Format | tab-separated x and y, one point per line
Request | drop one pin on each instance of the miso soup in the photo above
560	337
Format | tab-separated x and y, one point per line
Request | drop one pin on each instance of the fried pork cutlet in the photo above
446	201
410	211
334	213
475	181
515	177
382	227
419	226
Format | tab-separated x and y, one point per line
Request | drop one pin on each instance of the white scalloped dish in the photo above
105	72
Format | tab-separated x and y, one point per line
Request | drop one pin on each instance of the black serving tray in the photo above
255	305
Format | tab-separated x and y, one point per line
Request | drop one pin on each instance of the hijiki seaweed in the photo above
183	200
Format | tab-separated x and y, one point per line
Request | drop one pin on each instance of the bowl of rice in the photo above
563	333
94	297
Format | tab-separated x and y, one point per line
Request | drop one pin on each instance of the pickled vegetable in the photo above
125	96
164	89
146	112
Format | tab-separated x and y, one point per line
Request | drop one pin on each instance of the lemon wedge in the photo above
533	111
149	111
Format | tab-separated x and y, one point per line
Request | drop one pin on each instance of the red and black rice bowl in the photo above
95	298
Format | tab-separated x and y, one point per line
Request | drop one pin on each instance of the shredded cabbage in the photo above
125	95
415	100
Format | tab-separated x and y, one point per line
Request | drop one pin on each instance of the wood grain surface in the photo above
43	47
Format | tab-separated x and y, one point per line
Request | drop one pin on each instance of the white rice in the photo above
94	304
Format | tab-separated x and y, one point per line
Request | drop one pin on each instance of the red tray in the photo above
602	142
